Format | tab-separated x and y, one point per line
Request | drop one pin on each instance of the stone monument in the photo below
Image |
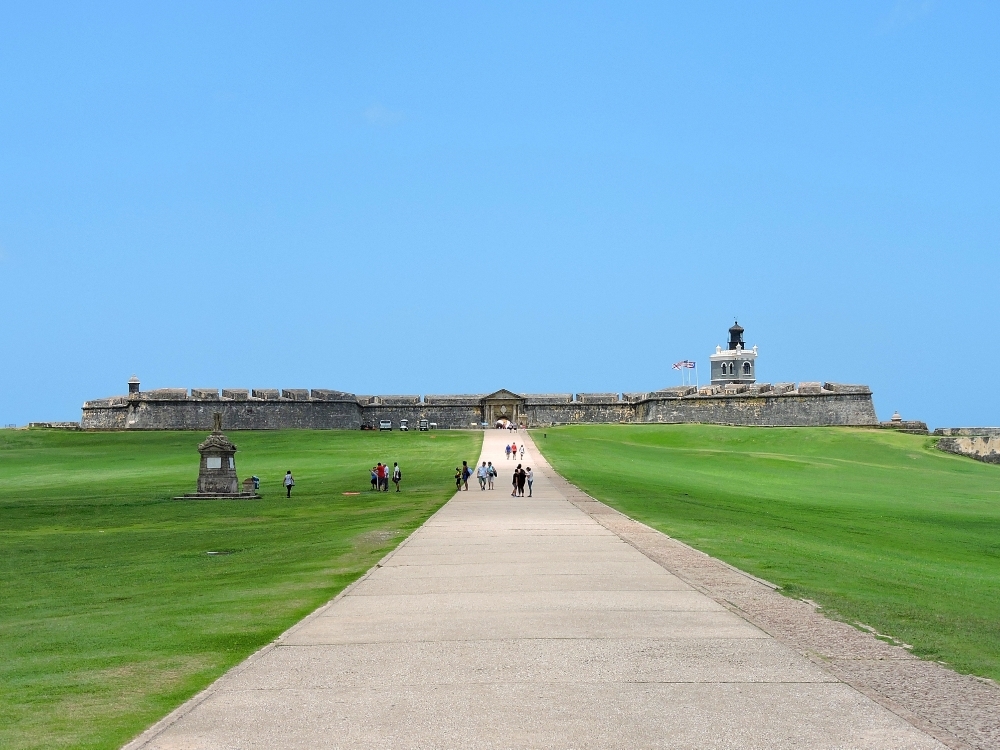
217	470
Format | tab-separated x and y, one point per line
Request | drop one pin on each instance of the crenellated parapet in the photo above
781	404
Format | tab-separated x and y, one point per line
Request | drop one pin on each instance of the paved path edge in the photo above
960	711
200	697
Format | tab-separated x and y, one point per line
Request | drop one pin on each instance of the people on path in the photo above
492	472
518	482
530	476
374	473
482	473
458	479
522	451
289	483
397	475
513	450
507	450
466	473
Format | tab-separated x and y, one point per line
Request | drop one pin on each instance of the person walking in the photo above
482	474
491	474
514	481
289	483
466	473
397	475
530	477
507	449
522	451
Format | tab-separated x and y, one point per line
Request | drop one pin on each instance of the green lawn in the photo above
877	527
111	611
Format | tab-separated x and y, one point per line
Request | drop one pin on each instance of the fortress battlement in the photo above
784	404
733	397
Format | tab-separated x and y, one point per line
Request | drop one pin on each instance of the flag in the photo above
683	363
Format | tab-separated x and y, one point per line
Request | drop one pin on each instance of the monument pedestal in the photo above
217	478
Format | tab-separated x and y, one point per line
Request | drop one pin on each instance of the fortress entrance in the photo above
503	408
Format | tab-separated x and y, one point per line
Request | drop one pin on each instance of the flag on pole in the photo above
684	363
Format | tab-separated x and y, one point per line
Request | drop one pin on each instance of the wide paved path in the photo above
523	623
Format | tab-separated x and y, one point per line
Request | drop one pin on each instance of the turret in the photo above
133	384
736	336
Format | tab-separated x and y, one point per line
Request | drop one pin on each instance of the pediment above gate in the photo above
503	395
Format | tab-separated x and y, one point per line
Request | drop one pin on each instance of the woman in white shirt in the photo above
531	478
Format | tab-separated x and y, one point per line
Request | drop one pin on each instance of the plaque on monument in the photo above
217	470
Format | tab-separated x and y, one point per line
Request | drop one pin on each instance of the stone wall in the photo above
980	443
909	426
320	409
584	408
982	448
968	431
196	414
790	409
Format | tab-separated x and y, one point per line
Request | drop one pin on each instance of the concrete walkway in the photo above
524	623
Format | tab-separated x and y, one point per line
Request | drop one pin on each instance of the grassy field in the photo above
112	613
877	527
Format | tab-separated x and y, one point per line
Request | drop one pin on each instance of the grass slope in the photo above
875	526
112	612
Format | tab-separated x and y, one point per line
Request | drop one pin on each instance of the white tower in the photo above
735	364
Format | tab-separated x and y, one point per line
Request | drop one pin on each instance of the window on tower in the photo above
746	368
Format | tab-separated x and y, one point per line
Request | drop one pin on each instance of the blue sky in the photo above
438	198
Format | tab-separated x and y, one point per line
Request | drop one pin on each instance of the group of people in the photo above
522	477
381	475
487	472
511	450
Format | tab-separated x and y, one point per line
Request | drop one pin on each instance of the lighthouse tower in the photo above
735	364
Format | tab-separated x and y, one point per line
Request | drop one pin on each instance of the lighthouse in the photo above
737	364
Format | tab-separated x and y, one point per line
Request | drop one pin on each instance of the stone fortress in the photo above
733	398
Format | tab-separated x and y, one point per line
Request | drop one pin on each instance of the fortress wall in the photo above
985	448
968	431
578	412
790	410
173	409
446	416
543	399
191	414
106	414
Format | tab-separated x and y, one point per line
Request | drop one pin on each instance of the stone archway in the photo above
503	405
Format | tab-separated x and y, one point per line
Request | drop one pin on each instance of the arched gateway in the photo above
503	406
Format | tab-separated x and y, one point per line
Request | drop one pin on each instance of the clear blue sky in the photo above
439	198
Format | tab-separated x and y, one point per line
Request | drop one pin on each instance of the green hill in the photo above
112	613
877	527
